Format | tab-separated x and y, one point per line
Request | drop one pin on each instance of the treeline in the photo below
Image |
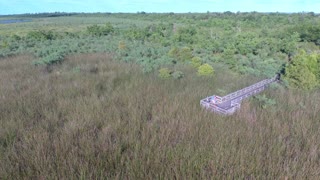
261	44
41	15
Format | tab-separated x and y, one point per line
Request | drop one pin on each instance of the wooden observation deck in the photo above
230	103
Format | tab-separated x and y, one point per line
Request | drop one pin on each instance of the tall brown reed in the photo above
92	117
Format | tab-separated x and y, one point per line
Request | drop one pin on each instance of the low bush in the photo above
205	70
181	54
164	73
196	62
265	102
177	75
96	30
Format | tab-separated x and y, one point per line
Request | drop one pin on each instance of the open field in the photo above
82	96
92	117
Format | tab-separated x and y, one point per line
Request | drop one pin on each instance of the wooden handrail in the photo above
247	89
221	104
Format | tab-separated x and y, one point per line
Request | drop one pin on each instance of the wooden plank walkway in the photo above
230	103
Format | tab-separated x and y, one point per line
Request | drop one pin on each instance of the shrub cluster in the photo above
205	70
166	73
96	30
303	71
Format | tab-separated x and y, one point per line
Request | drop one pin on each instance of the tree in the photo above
308	32
289	44
303	72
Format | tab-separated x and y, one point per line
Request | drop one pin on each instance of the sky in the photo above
149	6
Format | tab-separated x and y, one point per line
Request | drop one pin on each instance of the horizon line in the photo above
144	12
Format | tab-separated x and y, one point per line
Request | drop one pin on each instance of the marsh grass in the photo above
109	120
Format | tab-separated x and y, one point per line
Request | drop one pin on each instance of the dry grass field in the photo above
92	117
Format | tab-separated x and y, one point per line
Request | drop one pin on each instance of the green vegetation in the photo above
304	71
247	43
116	96
205	70
96	30
182	55
265	102
110	120
164	73
177	74
196	62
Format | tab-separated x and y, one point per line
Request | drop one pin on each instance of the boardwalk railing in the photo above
230	103
217	109
246	90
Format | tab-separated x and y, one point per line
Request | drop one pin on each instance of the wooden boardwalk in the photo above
230	103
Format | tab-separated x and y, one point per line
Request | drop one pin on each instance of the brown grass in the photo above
92	117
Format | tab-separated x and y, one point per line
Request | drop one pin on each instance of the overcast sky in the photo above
36	6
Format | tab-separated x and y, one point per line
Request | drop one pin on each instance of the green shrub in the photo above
196	62
303	71
164	73
205	70
53	58
265	102
177	75
4	44
96	30
174	52
136	33
186	35
228	56
41	35
185	54
181	54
